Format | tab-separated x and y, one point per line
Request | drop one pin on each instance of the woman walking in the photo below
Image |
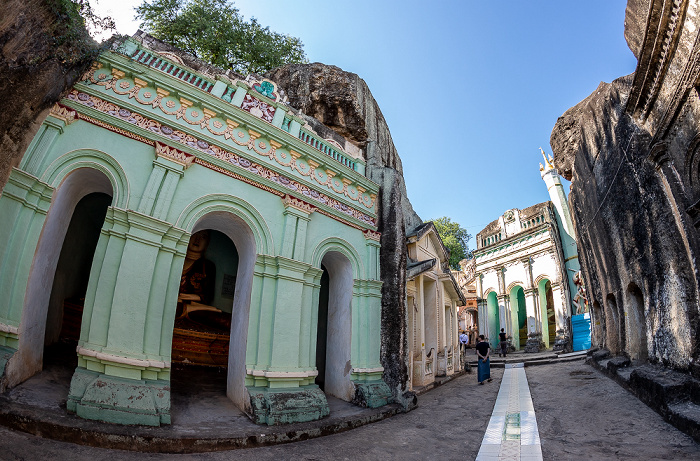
483	350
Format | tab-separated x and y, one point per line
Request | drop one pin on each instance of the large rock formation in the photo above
44	49
342	101
632	150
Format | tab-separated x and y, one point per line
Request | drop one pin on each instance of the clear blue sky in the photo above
470	89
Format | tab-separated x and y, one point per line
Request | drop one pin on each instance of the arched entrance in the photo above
636	324
549	322
519	316
73	224
430	324
67	299
493	318
612	322
221	218
597	324
334	331
205	303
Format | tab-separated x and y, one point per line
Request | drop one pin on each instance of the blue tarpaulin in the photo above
581	326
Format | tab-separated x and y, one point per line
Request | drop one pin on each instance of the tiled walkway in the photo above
512	431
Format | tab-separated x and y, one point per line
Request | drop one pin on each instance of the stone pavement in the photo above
580	413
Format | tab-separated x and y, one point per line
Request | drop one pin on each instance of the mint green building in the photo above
144	152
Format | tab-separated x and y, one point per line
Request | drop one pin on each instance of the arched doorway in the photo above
612	322
636	324
67	300
334	331
205	303
68	224
222	218
430	324
519	316
597	324
493	318
549	323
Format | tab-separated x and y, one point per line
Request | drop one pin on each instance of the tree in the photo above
455	239
214	31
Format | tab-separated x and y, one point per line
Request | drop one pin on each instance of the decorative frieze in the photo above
229	157
185	110
236	134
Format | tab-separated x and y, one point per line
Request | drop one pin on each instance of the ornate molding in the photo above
215	151
4	328
194	115
63	113
122	360
293	202
372	235
174	155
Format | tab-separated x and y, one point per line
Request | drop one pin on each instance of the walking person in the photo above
463	342
483	350
503	344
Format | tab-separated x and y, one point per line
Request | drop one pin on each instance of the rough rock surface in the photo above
342	101
631	150
37	68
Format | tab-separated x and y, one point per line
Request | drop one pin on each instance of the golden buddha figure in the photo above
201	334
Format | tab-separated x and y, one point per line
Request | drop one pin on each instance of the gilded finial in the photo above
547	161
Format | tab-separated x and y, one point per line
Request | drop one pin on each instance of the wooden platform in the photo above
196	344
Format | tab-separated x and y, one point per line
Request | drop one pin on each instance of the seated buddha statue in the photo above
197	288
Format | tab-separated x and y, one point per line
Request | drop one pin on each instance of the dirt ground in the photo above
582	414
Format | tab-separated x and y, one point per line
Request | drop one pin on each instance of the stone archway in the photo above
334	331
242	236
636	324
493	318
518	316
547	311
76	185
612	320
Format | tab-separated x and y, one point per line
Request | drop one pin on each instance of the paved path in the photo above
512	432
581	414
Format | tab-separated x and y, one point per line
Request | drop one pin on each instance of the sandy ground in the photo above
581	415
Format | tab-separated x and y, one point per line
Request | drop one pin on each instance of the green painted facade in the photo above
181	151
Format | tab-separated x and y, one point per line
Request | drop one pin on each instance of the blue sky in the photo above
470	89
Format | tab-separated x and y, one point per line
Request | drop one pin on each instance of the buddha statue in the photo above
197	289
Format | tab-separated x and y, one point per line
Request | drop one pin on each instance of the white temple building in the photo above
524	270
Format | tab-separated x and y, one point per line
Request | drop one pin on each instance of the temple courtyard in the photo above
579	414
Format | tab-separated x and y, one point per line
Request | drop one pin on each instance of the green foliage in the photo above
455	239
70	33
214	31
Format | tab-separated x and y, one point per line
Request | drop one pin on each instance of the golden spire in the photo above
547	161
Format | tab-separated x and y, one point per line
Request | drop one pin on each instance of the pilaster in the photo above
296	219
59	117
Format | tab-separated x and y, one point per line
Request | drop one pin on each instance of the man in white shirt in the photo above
463	341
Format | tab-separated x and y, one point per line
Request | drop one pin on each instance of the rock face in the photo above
632	150
342	101
39	61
